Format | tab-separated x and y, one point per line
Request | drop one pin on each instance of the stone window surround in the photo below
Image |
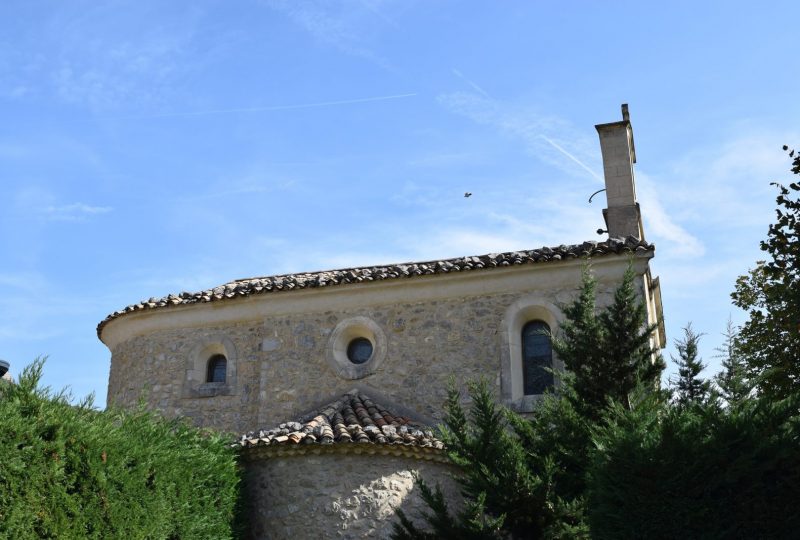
346	331
526	309
195	385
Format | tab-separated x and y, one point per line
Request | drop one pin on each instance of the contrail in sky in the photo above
570	156
469	82
272	108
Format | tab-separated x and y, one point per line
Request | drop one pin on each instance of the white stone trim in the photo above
346	331
195	384
528	308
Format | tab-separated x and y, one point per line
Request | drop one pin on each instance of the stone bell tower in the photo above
623	217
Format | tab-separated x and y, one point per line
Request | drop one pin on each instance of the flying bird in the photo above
467	194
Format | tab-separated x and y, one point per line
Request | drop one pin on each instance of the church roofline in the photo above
327	278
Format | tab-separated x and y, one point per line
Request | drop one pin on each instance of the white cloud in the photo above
549	138
659	224
10	150
471	83
270	108
447	159
555	141
101	56
337	25
25	281
74	211
728	184
130	72
32	310
461	241
717	197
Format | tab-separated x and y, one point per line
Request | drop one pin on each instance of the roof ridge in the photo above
354	417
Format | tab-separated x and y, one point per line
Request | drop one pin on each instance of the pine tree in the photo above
609	353
689	387
580	345
770	340
524	478
628	343
731	381
509	488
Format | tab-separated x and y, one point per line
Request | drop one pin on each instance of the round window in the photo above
359	350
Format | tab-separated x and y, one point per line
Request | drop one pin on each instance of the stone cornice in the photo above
364	449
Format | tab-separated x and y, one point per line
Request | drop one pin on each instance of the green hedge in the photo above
74	472
698	472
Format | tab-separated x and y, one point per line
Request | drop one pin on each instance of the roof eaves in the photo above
327	278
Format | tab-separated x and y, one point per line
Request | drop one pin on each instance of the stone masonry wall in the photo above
337	496
281	366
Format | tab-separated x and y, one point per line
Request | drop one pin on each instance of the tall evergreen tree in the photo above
527	478
610	353
689	387
580	345
732	380
770	340
628	342
509	486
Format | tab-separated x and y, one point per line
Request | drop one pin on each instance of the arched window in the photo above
537	357
217	365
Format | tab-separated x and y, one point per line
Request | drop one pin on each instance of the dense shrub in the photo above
75	472
697	472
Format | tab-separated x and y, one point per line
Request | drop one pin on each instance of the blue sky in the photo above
152	147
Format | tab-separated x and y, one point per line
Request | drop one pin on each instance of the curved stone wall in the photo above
278	352
337	495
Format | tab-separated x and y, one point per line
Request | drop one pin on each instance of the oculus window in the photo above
359	350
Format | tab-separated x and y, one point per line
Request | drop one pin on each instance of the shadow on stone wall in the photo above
336	495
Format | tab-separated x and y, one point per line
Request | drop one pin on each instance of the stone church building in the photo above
336	378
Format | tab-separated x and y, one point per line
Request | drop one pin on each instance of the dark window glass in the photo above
359	350
537	354
216	368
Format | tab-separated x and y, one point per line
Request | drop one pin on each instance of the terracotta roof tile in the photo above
353	418
328	278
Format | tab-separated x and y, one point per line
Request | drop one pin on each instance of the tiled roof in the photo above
354	423
289	282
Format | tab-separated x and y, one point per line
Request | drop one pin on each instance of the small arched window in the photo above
537	357
217	365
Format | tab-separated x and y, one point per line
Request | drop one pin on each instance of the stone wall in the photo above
337	496
280	360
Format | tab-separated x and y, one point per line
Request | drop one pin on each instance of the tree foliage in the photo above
705	472
609	456
769	341
74	472
732	382
689	387
509	487
526	478
610	352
